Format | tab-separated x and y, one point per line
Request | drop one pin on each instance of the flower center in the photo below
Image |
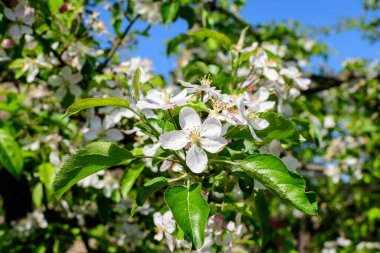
195	135
167	97
205	81
252	115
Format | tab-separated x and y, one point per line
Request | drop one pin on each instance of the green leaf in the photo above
92	158
157	124
263	215
129	179
95	102
220	38
149	188
190	210
10	154
136	81
47	174
169	11
273	174
198	106
37	195
54	5
279	128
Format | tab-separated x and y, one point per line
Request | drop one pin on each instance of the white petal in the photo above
55	80
10	14
189	119
61	92
147	105
156	97
213	145
76	78
91	135
26	29
75	90
114	134
179	97
274	148
261	94
259	124
66	73
290	162
157	219
270	73
150	149
187	84
211	127
255	137
15	31
28	19
265	106
303	83
196	159
96	123
174	140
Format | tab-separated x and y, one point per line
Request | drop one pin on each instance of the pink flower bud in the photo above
7	43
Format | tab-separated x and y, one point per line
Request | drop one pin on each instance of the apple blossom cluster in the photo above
197	136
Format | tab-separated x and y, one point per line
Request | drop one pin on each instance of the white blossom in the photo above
165	226
200	137
22	17
261	61
66	81
156	99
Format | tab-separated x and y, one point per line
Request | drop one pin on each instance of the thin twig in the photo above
118	44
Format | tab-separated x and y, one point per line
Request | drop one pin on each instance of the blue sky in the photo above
316	13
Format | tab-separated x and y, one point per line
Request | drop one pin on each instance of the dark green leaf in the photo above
273	174
149	188
190	210
263	215
92	158
10	154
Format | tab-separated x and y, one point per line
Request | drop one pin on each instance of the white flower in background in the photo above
294	74
30	66
216	224
66	81
329	121
151	150
252	119
261	61
165	226
258	102
149	10
278	50
22	17
76	53
129	68
97	128
204	89
156	99
200	137
95	23
3	56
